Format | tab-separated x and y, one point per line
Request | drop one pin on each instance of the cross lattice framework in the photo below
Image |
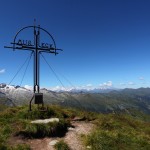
36	48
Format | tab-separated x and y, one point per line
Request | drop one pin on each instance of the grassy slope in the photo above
114	131
118	131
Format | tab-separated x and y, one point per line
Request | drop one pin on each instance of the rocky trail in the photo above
72	138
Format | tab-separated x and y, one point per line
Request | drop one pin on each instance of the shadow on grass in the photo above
56	129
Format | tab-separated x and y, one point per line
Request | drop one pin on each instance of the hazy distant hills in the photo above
115	100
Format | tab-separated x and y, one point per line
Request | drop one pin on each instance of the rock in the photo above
71	129
52	143
79	119
88	147
44	121
2	85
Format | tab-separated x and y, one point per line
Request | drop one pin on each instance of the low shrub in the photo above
40	130
61	145
17	147
20	147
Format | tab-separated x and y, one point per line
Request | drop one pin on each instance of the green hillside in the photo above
114	131
113	101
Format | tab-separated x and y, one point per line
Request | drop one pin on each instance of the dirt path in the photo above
72	138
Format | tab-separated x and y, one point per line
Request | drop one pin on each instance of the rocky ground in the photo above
72	138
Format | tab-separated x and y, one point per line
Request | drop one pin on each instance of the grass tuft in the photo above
61	145
40	130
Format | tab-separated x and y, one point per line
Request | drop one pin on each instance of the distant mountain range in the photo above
103	101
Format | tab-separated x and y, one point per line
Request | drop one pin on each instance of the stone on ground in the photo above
52	143
44	121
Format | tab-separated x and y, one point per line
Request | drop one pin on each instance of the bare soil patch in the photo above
72	138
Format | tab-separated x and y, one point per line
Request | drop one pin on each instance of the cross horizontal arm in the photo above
20	48
41	48
33	48
8	47
49	52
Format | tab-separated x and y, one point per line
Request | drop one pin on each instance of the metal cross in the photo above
36	48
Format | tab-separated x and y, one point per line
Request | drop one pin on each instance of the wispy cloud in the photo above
2	71
106	84
87	87
58	88
131	83
141	78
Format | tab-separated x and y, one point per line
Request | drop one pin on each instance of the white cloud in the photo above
89	85
28	87
2	71
131	83
141	78
59	88
84	87
106	84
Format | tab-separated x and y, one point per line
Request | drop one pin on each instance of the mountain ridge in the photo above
114	100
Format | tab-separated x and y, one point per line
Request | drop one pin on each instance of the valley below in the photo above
125	100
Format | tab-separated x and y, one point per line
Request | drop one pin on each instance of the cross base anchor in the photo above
38	99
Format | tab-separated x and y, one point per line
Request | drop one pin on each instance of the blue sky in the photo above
104	42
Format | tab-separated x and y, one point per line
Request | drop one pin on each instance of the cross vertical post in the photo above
36	62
